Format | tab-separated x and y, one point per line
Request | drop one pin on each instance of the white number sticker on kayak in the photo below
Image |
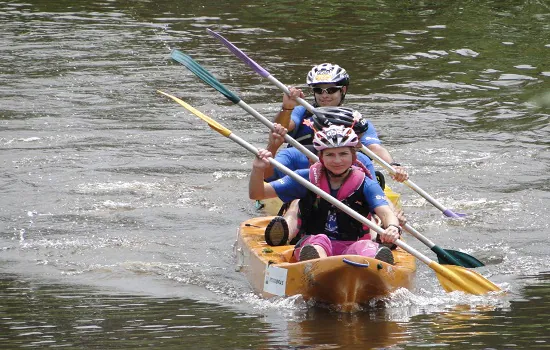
275	280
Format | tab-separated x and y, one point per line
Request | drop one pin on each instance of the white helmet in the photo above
327	73
335	136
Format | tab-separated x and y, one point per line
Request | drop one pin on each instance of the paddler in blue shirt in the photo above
294	159
329	83
280	228
324	230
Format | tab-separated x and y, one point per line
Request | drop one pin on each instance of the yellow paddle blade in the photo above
211	122
454	278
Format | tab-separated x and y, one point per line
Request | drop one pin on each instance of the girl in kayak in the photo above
325	230
280	228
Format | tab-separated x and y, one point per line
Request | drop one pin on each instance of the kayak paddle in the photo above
444	256
261	71
452	278
208	78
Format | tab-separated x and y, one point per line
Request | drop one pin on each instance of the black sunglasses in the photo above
330	90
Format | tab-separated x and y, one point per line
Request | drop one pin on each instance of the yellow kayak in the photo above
343	281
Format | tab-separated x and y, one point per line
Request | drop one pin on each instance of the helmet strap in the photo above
331	174
343	95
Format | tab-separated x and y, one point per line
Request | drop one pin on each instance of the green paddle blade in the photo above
453	257
203	74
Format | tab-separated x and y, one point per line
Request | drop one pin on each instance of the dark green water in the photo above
35	314
118	209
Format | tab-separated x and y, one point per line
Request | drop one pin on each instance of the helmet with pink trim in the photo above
335	136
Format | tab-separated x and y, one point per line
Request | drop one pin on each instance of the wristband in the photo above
399	229
286	109
395	164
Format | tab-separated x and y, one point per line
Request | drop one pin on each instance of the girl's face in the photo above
337	160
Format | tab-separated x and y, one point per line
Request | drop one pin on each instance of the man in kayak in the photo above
329	83
325	230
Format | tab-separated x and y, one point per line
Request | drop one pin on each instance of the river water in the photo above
119	208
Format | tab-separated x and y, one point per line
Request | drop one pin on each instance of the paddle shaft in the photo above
329	198
204	75
443	255
480	286
372	155
440	252
264	73
449	277
269	124
208	78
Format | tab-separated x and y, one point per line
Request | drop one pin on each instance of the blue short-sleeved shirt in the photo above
303	132
288	189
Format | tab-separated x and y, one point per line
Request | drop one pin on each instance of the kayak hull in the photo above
345	281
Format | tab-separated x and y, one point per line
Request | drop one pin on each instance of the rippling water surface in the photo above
119	208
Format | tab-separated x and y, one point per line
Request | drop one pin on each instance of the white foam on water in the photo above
218	175
466	52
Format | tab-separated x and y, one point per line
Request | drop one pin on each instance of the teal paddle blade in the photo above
203	74
453	257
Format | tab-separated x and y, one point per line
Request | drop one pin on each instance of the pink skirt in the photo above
364	247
